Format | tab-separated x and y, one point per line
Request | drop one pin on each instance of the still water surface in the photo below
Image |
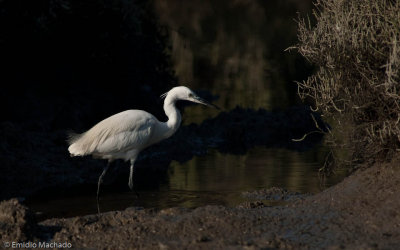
235	50
214	179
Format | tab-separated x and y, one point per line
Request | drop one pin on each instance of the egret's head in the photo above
184	93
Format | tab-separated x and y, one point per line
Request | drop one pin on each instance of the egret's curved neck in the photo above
174	116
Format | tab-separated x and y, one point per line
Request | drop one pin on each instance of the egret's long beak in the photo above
204	102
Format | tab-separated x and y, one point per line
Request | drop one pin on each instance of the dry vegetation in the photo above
356	48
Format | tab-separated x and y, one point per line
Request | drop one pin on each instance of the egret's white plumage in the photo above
114	137
124	135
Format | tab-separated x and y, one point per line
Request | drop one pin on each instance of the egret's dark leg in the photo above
99	183
132	169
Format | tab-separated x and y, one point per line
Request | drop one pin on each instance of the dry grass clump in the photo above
355	45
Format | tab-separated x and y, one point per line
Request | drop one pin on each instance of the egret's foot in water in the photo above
130	184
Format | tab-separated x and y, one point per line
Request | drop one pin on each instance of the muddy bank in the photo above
362	212
274	194
37	160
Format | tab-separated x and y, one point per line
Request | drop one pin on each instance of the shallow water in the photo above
214	179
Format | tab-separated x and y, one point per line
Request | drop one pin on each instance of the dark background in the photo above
67	64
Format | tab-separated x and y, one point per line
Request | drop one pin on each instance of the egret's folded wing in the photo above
137	138
128	129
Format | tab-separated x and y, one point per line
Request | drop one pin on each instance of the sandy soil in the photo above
362	212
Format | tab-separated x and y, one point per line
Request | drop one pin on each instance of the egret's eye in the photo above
191	95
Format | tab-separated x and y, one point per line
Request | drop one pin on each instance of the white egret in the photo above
124	135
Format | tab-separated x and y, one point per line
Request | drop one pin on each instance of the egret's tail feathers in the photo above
75	148
73	137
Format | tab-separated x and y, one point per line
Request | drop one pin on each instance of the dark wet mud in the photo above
274	194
